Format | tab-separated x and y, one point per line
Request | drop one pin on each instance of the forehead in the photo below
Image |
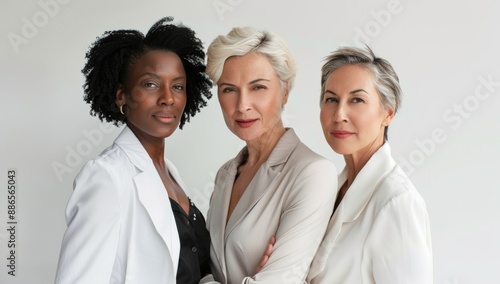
156	60
248	66
350	76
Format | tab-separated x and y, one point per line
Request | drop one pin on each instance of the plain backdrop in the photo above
445	136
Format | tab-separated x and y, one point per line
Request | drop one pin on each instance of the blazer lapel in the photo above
354	202
260	184
151	192
263	180
155	200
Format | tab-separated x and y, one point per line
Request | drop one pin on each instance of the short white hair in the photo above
243	40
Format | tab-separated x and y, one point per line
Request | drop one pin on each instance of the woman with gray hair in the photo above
379	231
276	186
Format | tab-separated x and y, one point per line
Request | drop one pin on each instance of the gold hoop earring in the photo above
121	110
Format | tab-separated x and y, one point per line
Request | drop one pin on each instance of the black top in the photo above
194	257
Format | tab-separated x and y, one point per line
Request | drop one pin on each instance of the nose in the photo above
340	113
243	103
166	97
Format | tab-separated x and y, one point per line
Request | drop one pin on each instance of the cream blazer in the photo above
290	197
380	231
121	228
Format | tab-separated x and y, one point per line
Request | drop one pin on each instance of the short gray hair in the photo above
385	78
243	40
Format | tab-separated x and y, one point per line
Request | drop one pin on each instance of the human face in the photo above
352	115
155	95
251	96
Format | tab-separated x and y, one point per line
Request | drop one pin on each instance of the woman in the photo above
275	186
129	218
379	231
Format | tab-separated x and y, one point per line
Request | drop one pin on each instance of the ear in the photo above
284	99
120	98
389	115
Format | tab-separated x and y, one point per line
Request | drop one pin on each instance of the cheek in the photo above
138	95
370	124
225	105
274	111
325	117
272	105
183	102
139	99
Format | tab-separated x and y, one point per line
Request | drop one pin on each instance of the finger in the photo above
263	262
269	250
270	246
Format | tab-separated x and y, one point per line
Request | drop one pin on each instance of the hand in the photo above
267	253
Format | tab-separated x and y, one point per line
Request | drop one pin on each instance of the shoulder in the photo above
227	165
397	192
98	186
397	183
303	158
310	176
112	161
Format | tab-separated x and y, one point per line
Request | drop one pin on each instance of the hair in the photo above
113	55
385	78
243	40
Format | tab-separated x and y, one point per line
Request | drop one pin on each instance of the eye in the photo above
259	87
227	90
331	100
150	85
178	87
357	100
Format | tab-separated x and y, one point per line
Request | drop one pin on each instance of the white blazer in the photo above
290	197
121	228
380	231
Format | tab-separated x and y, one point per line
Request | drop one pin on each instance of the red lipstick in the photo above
245	123
341	134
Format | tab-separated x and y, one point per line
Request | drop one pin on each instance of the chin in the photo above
167	132
245	138
245	134
340	149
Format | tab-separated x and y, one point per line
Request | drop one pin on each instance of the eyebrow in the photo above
251	82
258	80
351	92
159	77
226	84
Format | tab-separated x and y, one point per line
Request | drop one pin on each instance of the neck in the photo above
154	146
260	148
356	161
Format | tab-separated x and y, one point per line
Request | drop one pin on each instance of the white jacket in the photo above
121	228
380	231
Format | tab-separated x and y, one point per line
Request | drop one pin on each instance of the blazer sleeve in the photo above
302	225
398	246
90	242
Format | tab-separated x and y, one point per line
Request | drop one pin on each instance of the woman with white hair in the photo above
276	186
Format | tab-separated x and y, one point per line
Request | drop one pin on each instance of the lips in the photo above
164	117
341	134
245	123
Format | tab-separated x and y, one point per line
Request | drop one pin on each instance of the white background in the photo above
440	49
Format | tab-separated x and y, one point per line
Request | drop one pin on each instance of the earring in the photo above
121	110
